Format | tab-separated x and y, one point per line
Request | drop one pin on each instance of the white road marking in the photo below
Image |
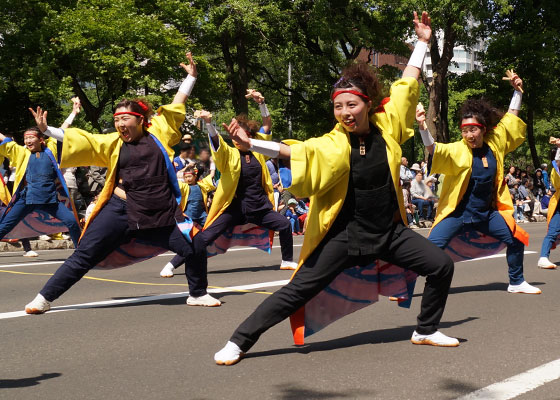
132	300
495	256
518	384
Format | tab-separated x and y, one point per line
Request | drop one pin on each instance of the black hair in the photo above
361	76
482	111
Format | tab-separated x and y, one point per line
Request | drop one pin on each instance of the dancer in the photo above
553	214
474	197
194	195
244	194
355	216
37	177
140	199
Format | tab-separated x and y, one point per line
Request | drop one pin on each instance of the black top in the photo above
149	198
368	211
250	196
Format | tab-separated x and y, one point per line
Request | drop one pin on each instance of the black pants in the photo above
406	248
267	219
105	233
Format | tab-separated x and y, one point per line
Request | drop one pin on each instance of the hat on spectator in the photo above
544	165
292	201
415	167
187	136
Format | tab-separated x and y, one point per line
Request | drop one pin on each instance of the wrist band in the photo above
515	101
427	138
187	85
265	147
417	56
264	110
70	118
56	133
211	130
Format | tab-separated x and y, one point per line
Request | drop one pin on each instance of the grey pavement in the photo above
162	349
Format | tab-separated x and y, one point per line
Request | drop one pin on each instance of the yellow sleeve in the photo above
398	114
13	152
165	125
222	155
81	148
449	158
509	134
207	184
318	164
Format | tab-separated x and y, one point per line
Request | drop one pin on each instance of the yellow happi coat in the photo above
81	148
320	166
228	162
206	186
454	160
553	204
19	157
5	194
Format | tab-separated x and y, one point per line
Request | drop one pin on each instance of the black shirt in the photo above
150	200
369	207
250	196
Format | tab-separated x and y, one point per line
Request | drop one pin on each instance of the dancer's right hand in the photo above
40	118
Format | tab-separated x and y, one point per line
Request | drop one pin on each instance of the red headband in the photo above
472	124
128	112
363	96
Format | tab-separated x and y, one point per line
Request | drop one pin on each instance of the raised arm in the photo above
423	29
517	84
267	148
186	87
265	114
76	107
40	116
425	134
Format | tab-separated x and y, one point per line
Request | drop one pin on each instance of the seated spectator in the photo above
292	215
409	207
406	174
544	202
422	197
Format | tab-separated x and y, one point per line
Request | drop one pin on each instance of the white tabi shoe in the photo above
435	339
524	287
205	301
39	305
167	271
545	263
229	355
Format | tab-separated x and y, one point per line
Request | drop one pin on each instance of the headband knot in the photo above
143	106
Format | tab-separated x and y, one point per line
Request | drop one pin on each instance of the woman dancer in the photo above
244	194
553	214
37	176
345	172
140	199
474	196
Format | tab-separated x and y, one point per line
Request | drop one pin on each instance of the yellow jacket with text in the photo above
454	160
320	167
81	148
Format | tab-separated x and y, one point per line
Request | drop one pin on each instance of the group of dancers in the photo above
343	173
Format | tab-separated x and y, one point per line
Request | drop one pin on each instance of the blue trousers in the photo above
57	210
496	227
419	203
105	233
551	234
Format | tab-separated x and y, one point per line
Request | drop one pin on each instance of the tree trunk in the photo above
92	113
237	80
531	138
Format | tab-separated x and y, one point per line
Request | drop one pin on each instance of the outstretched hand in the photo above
421	116
257	96
514	79
237	133
191	68
40	118
76	105
205	115
423	26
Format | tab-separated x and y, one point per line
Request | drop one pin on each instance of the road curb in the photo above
38	245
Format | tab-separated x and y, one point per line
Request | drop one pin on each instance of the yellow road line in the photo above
134	283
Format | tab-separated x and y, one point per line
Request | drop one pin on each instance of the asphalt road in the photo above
142	342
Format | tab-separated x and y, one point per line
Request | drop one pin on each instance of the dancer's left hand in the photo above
40	118
237	133
423	26
191	68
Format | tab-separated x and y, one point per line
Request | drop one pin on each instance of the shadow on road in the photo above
399	334
259	268
291	390
26	382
